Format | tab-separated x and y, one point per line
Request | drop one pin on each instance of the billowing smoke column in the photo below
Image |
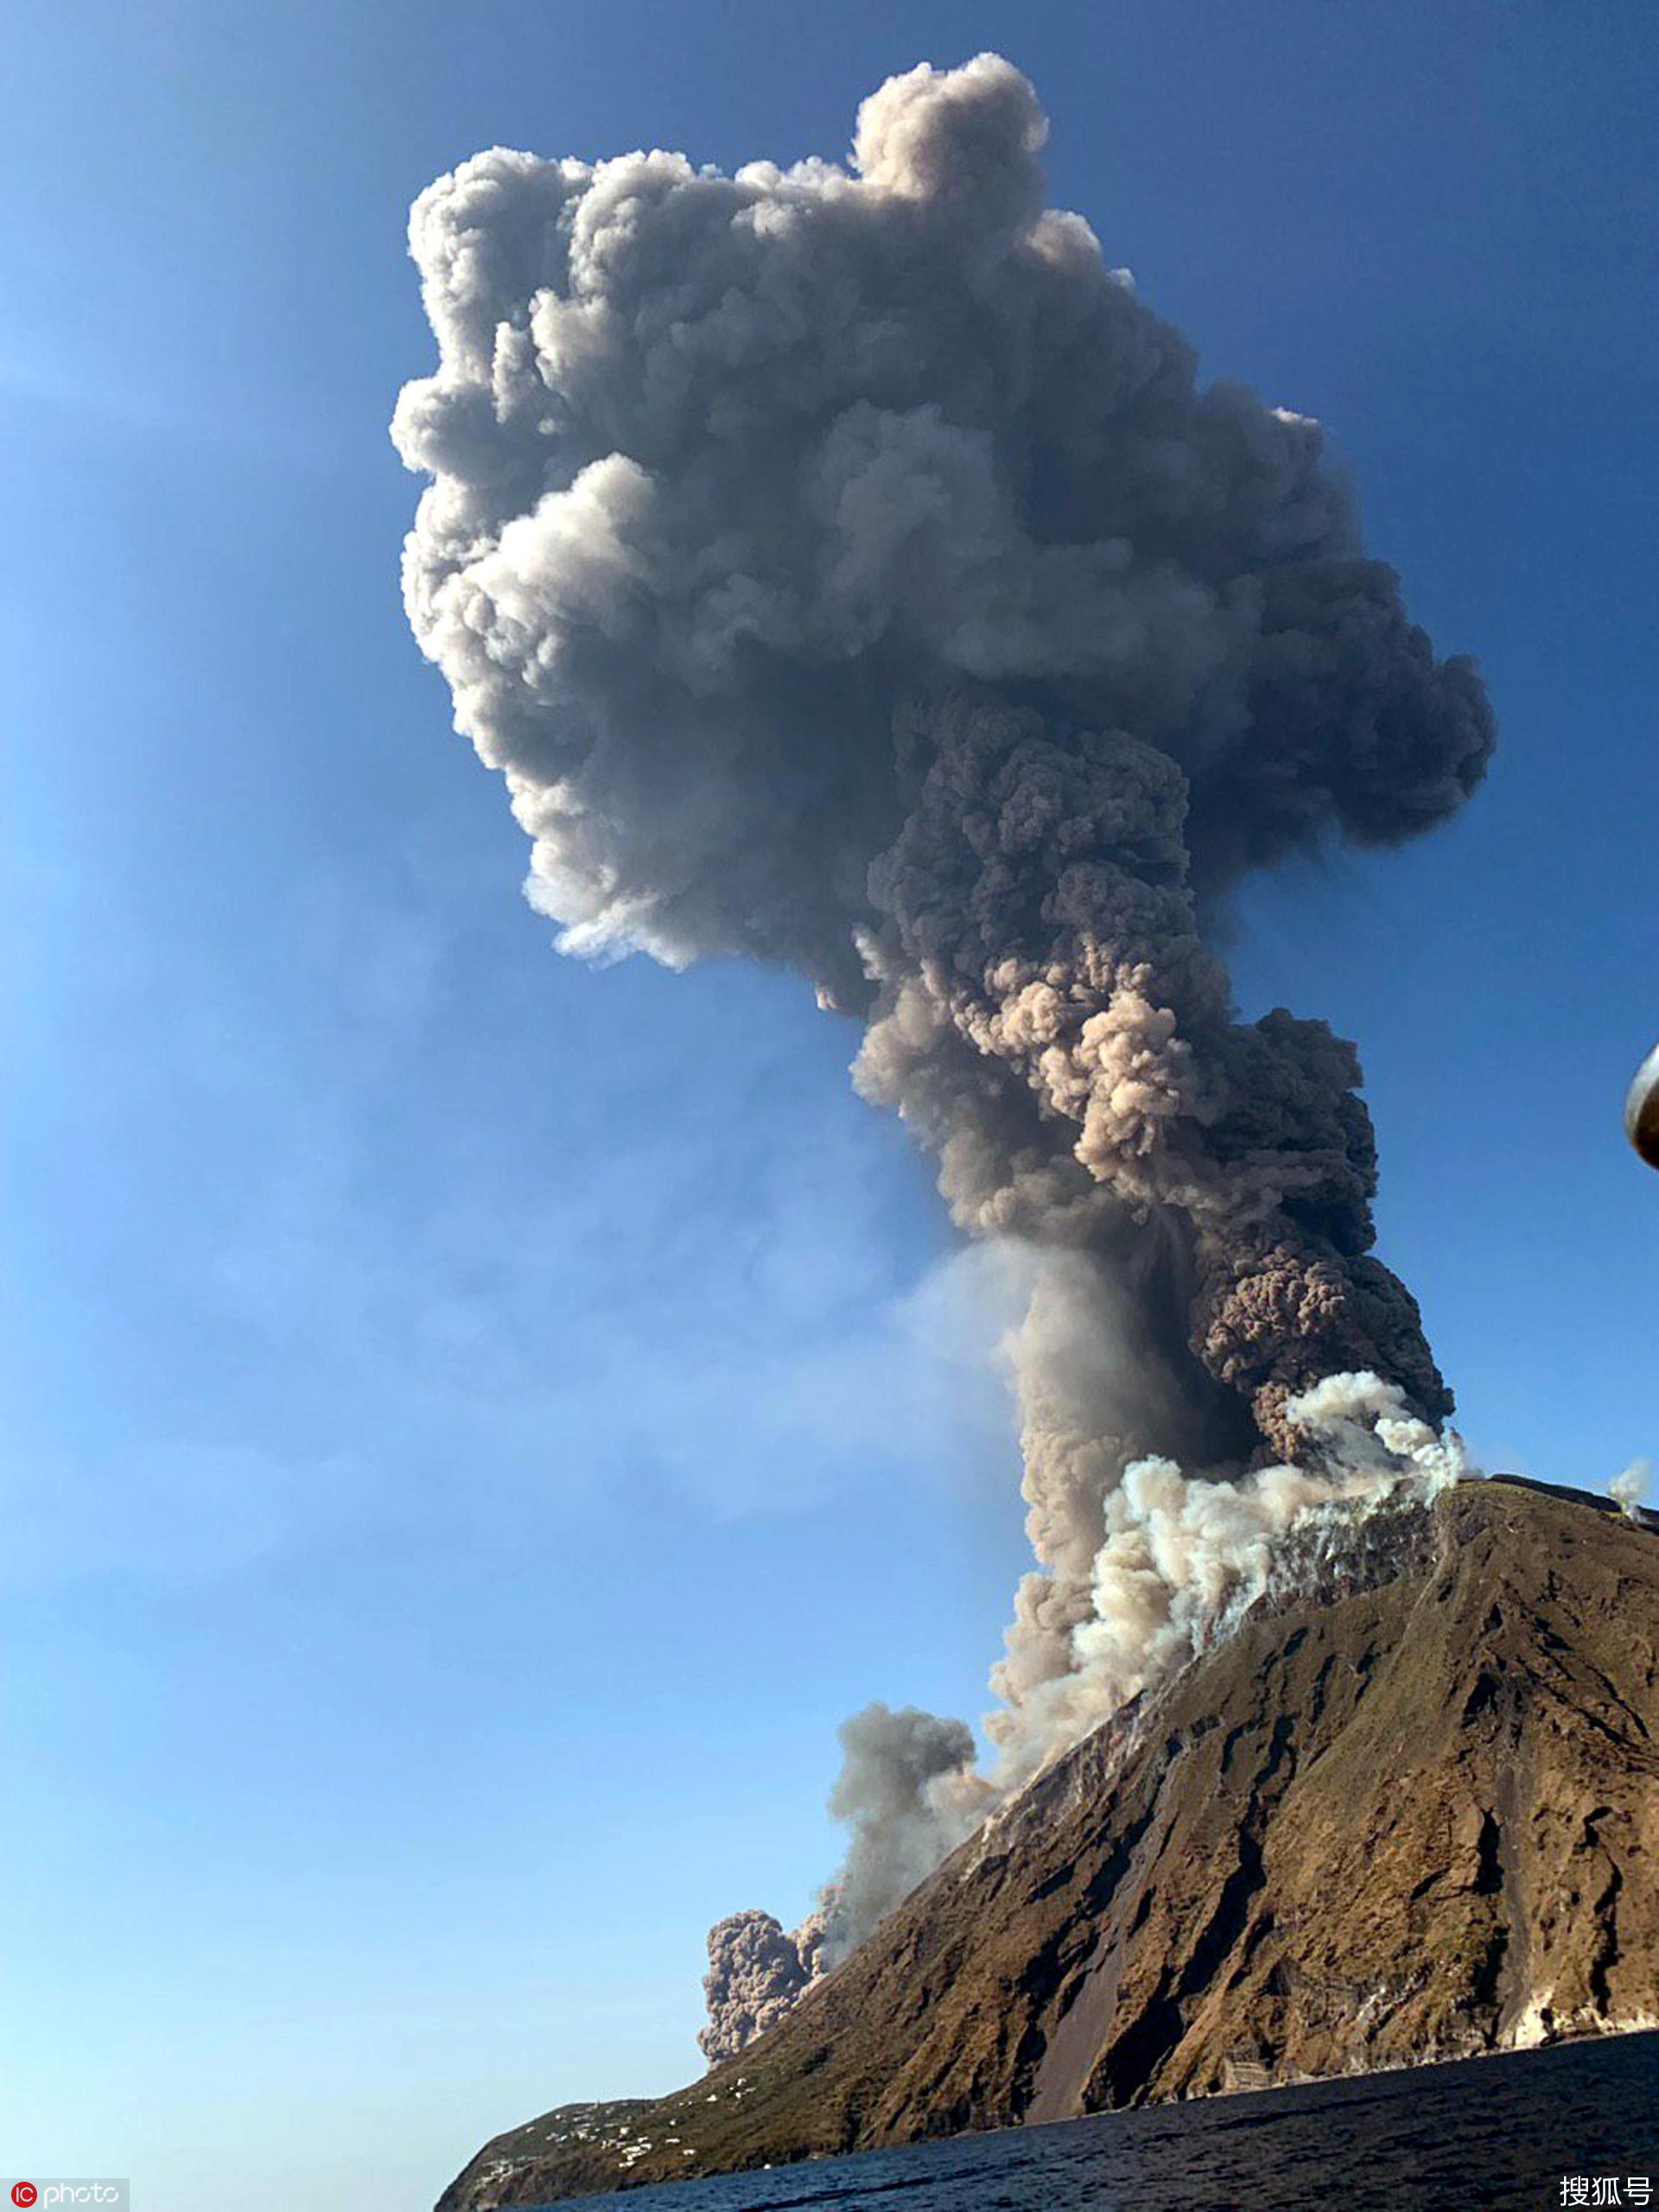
908	1792
844	568
755	1973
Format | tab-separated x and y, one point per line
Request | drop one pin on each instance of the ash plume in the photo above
844	568
907	1791
756	1971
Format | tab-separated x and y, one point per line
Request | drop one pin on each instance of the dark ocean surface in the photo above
1512	2134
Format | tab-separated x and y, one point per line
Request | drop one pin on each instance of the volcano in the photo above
1405	1812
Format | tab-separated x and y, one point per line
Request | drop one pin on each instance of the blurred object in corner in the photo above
1642	1109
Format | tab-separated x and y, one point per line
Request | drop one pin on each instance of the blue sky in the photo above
474	1423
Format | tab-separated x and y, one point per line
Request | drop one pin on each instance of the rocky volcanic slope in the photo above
1376	1825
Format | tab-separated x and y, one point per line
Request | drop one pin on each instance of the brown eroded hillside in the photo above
1377	1826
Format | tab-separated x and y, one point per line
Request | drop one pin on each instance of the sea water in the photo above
1575	2125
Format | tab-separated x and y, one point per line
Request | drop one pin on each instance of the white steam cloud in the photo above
1630	1486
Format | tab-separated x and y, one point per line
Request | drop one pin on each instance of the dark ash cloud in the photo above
844	568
